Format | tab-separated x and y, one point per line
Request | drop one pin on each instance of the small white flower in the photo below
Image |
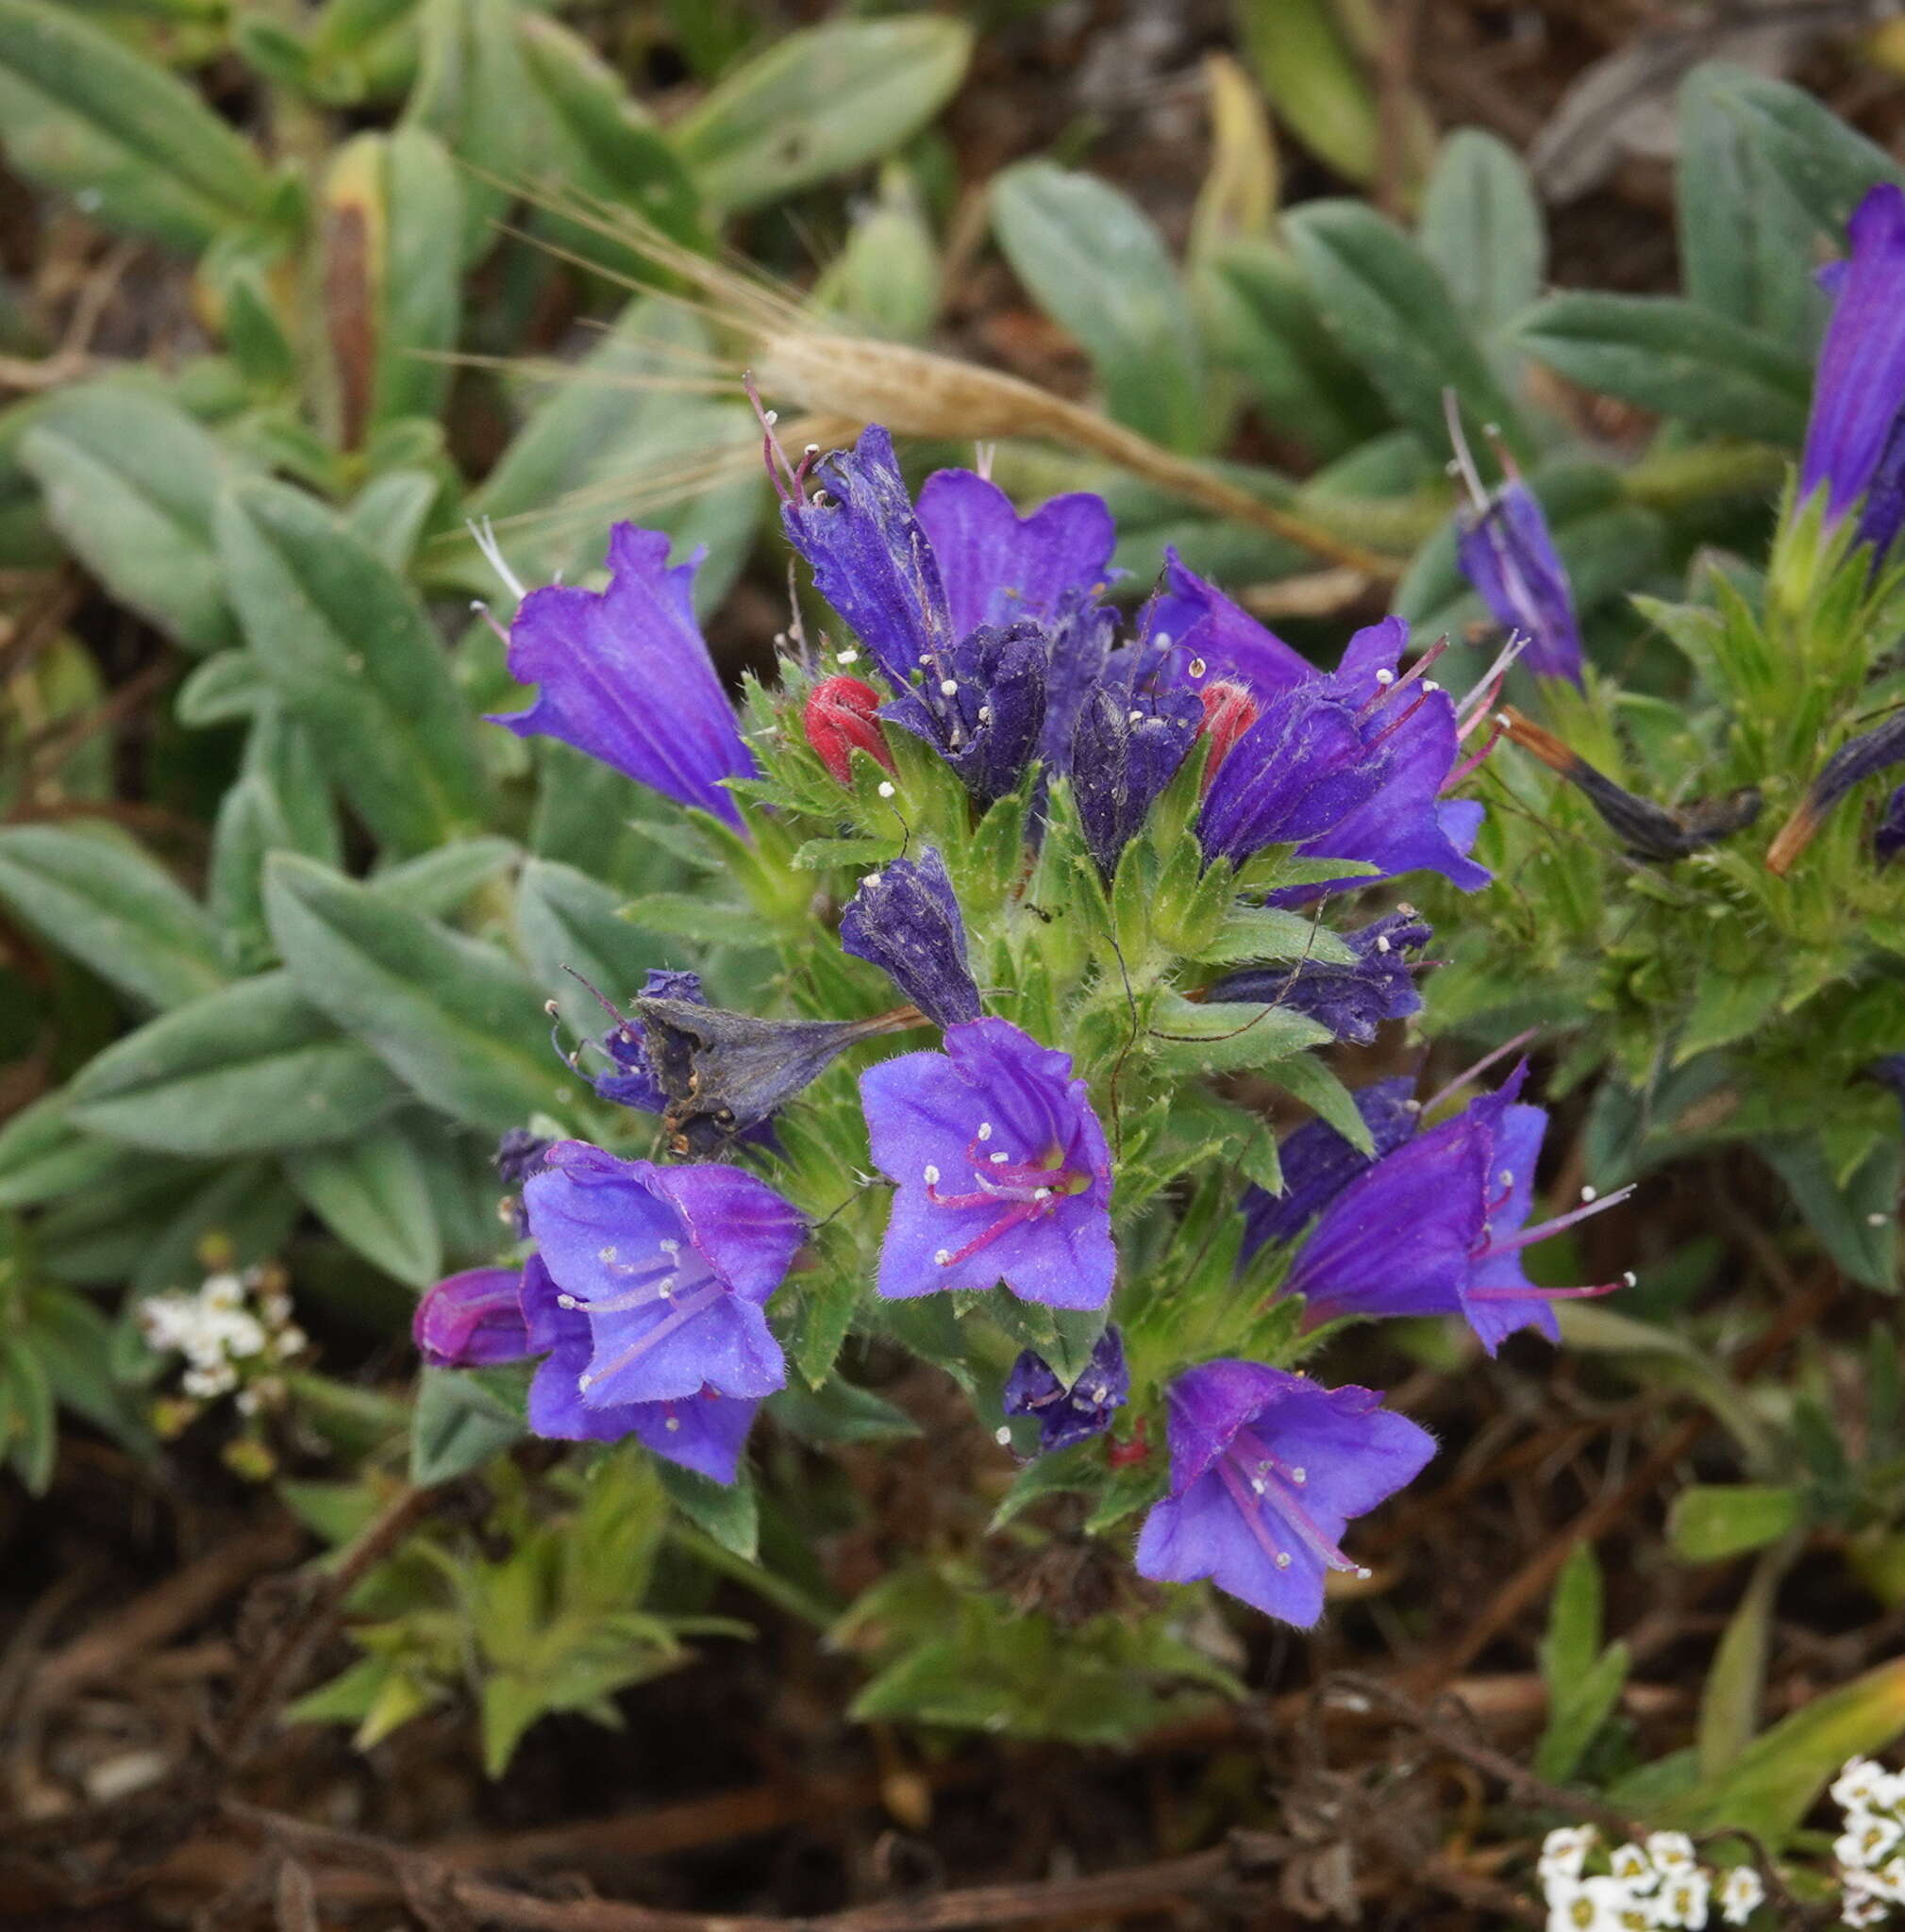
1888	1884
1889	1793
1631	1863
1858	1784
1742	1891
1866	1838
1859	1908
1564	1850
1683	1900
1596	1905
1672	1851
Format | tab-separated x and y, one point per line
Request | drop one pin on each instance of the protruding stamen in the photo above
484	535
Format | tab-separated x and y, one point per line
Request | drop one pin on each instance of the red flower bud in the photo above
1229	710
843	716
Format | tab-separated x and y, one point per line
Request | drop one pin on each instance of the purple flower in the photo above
1348	766
1083	1411
472	1321
998	566
1888	835
906	920
1508	554
1126	748
982	707
705	1431
1858	759
1352	1001
1437	1228
633	1082
625	675
1001	1170
1852	445
1318	1163
1267	1470
670	1266
1210	636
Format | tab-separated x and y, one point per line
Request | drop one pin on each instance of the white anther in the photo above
1385	677
1429	684
669	1245
873	881
771	417
605	1255
1257	1484
942	1259
998	1160
985	1132
1364	1573
1134	717
1162	641
886	788
1282	1559
566	1301
670	1423
1506	1179
1630	1277
847	656
1590	1194
985	714
1198	667
1002	1437
485	537
948	688
813	449
1042	1193
931	1175
1876	1219
582	1381
1300	1476
1381	943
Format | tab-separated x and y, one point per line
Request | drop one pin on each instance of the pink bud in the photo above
1229	710
843	716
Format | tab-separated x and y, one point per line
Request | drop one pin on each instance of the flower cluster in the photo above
1183	767
1870	1851
235	1332
1658	1881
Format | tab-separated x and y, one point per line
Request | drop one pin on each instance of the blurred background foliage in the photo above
294	295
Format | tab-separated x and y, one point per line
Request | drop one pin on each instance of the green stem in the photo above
762	1582
1669	479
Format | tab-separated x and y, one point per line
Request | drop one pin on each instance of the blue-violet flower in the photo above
1083	1411
905	920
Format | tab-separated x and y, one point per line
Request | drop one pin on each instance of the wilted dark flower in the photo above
1508	554
1888	835
625	675
982	707
1001	1167
1351	1000
519	1154
721	1074
1318	1163
1853	445
1856	761
1126	748
1267	1470
671	1266
472	1321
1647	830
843	717
1083	1411
633	1082
906	920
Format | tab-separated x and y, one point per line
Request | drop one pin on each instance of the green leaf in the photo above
371	1192
1574	1620
1221	1036
1674	357
113	909
728	1512
1711	1521
1576	1718
80	112
840	1412
1769	1785
1269	933
390	511
707	921
1856	1223
346	645
1481	227
1315	81
462	1419
250	823
1825	165
224	690
1746	240
73	1341
435	884
456	1021
131	482
28	1427
43	1156
818	103
1094	262
569	921
1395	315
1730	1698
250	1068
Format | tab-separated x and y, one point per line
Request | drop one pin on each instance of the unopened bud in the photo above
1229	710
843	716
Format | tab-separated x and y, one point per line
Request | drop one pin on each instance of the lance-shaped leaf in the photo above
251	1068
112	908
80	110
353	657
1481	227
391	294
822	101
131	482
458	1021
371	1192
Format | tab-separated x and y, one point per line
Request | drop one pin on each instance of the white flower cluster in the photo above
1657	1882
231	1327
1871	1864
